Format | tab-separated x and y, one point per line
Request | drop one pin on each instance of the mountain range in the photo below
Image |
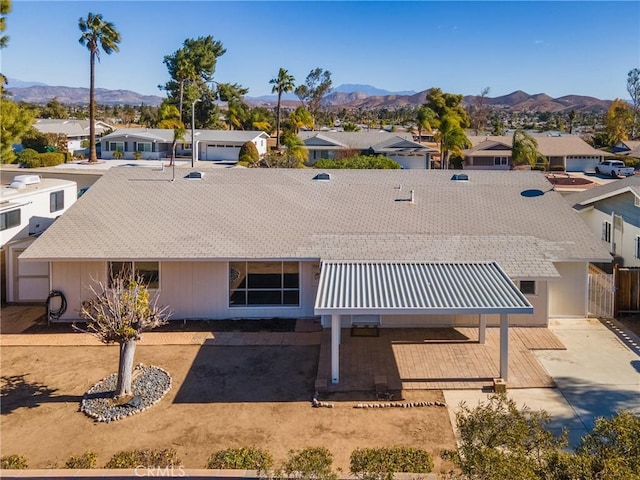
349	96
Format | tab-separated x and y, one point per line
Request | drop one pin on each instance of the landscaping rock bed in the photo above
150	384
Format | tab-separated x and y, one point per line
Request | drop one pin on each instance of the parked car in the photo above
614	168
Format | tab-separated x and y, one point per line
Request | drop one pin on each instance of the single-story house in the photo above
390	248
624	147
399	147
76	131
612	212
155	143
570	152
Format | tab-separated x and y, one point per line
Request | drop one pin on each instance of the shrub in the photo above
29	157
13	462
312	463
137	155
359	162
51	159
84	461
249	153
382	463
118	154
632	162
144	458
241	458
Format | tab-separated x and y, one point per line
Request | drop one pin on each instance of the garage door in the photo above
222	154
582	164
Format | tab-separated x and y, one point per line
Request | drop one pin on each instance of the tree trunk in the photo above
278	121
181	97
93	157
125	368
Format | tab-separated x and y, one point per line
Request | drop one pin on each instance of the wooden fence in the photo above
627	288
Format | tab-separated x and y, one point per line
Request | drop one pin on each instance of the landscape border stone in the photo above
149	385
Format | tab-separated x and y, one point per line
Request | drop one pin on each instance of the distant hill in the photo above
343	96
368	90
516	101
41	94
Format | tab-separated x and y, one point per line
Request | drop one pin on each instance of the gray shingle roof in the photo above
586	197
548	146
356	140
166	135
138	213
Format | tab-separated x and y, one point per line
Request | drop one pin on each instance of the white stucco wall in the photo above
568	294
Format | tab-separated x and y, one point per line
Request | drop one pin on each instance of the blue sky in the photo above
557	48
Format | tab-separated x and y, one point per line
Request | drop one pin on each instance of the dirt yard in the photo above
221	397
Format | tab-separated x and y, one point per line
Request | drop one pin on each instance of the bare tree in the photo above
480	113
119	313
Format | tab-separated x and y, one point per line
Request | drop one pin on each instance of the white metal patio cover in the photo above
356	288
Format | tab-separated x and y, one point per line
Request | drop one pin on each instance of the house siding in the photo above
624	240
191	290
568	294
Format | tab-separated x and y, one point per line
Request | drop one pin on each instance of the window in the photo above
56	201
638	247
264	283
143	147
116	146
149	271
9	219
606	231
500	161
636	201
528	287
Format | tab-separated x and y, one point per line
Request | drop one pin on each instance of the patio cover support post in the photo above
335	349
482	331
504	346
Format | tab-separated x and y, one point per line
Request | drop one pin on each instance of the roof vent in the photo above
26	179
322	176
198	175
460	177
18	185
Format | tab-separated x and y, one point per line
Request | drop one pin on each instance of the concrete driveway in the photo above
597	375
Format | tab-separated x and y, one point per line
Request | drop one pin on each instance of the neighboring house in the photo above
399	147
75	130
155	143
393	248
612	212
28	206
570	152
626	146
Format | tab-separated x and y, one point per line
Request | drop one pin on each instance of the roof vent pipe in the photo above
413	197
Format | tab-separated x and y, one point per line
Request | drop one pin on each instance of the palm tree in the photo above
96	34
524	150
425	118
283	83
452	138
169	117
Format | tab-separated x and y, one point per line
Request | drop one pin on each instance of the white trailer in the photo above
28	205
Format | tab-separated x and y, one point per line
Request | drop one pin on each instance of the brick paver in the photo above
437	358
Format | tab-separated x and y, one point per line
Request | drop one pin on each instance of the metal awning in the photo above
417	288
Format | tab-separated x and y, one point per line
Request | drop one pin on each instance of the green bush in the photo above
241	458
382	463
632	162
29	157
51	159
84	461
144	458
312	463
249	153
361	162
13	462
